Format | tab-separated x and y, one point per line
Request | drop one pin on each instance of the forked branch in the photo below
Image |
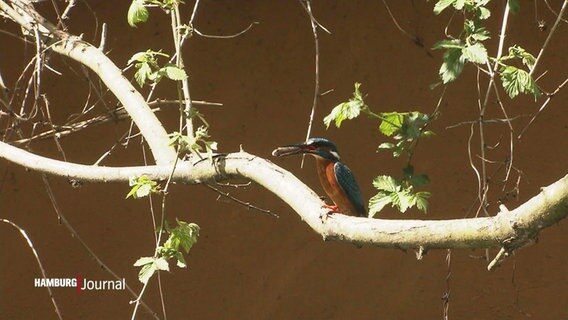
75	48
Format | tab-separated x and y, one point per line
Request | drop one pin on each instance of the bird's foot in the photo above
331	209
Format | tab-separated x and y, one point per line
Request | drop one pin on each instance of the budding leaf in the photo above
137	13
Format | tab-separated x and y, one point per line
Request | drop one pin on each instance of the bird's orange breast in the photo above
334	191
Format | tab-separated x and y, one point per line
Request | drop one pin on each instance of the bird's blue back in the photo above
349	185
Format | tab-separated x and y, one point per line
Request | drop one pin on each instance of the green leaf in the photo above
459	4
173	72
141	187
143	73
137	13
448	44
406	127
144	260
146	64
475	53
475	32
517	81
184	235
484	13
346	110
161	264
422	201
413	123
386	183
378	202
138	57
391	123
514	6
480	35
511	81
143	191
403	201
149	266
146	272
452	66
341	112
441	5
520	53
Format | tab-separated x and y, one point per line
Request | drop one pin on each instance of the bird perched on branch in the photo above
336	178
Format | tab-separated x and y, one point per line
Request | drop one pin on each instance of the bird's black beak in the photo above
290	150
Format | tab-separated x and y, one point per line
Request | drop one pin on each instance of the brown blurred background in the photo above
250	266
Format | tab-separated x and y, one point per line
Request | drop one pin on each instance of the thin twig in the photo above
113	115
234	185
104	31
472	165
194	12
246	204
552	10
226	36
415	39
550	96
511	133
40	265
70	5
177	102
109	151
308	8
496	120
446	296
483	187
55	137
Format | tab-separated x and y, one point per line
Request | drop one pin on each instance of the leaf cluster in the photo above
405	129
142	187
477	7
399	193
148	69
469	47
181	239
347	110
516	80
194	144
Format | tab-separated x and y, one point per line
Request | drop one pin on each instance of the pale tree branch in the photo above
508	229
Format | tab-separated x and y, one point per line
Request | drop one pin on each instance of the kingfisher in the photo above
336	178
